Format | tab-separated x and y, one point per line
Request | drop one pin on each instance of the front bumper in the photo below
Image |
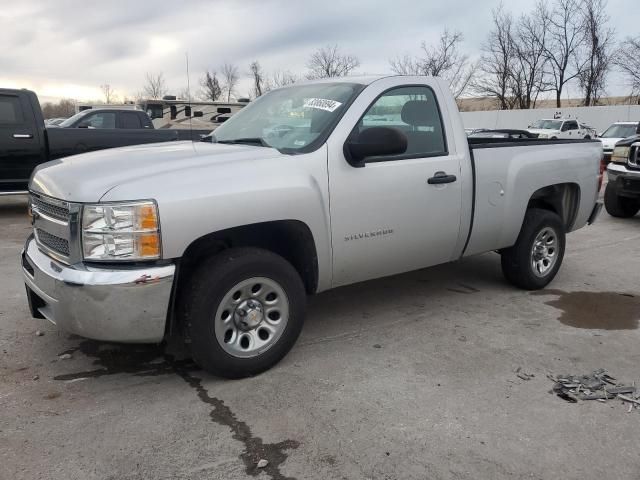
626	182
120	305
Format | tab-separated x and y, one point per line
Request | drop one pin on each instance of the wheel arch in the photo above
562	199
291	239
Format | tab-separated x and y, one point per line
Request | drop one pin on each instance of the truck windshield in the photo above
547	124
294	119
620	131
73	119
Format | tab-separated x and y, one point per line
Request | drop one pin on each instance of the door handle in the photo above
441	177
22	135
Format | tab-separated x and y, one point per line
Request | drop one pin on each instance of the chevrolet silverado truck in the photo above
622	193
25	142
308	188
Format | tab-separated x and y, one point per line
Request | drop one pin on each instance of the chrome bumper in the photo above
123	305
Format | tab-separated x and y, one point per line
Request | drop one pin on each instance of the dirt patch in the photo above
596	310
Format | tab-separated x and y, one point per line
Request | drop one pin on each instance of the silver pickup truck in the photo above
308	188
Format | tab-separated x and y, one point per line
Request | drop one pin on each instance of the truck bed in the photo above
508	172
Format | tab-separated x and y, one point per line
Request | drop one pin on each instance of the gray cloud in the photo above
75	42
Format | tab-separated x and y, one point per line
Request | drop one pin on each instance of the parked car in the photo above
471	131
559	128
622	194
25	142
53	122
616	132
503	133
224	240
109	118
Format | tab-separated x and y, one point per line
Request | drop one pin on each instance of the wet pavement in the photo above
408	377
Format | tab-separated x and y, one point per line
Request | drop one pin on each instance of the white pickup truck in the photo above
561	128
308	188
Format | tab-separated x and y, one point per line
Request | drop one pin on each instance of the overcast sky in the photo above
68	48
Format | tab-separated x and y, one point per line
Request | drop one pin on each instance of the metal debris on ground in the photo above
65	356
598	385
263	463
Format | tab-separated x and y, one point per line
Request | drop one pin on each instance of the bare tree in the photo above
278	79
108	93
529	77
155	86
255	70
628	61
443	59
230	78
63	109
564	37
211	89
599	42
329	62
497	61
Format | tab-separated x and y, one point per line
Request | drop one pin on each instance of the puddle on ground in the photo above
596	310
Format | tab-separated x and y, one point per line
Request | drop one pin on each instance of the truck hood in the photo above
89	176
545	131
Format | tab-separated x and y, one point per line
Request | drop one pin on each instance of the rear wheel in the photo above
243	310
536	257
621	207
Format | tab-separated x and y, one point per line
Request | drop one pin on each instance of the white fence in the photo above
598	117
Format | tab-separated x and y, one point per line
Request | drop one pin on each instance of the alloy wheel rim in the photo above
251	317
544	252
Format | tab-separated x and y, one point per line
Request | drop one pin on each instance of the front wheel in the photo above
621	207
536	257
243	310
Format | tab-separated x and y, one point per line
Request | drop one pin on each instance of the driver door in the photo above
387	217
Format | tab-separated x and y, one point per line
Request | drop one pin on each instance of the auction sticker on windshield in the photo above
321	104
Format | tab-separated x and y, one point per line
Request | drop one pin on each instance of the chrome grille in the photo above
53	208
56	244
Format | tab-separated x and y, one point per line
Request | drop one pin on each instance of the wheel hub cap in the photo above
249	315
544	252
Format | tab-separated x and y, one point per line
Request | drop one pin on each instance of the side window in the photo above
414	111
100	120
129	120
570	125
10	110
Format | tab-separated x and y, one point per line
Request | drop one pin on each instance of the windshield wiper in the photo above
249	141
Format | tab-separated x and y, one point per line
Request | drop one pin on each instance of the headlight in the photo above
120	231
620	154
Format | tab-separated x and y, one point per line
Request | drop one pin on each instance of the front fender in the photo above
195	202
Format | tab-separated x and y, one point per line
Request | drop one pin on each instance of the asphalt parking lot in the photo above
409	377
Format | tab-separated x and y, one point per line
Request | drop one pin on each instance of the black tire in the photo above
205	291
621	207
516	261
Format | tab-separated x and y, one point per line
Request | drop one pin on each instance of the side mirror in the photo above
374	142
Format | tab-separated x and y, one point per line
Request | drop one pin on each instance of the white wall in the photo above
598	117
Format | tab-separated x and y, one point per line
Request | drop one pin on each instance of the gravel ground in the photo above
408	377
